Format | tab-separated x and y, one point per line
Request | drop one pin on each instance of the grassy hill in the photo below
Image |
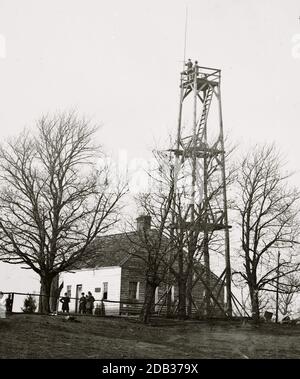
36	336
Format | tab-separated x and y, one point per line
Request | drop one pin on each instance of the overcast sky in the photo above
119	63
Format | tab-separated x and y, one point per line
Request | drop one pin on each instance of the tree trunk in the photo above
55	293
207	291
45	292
169	300
182	298
181	280
189	296
149	302
254	303
190	273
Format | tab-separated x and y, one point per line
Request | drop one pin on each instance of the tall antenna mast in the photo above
185	35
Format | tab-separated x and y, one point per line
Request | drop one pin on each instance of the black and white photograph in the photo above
149	183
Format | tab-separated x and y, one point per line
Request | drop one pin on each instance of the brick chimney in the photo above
143	223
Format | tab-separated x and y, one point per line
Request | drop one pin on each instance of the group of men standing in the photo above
86	303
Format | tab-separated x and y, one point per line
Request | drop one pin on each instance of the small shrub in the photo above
29	305
99	310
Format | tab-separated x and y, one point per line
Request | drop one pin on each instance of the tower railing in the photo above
202	72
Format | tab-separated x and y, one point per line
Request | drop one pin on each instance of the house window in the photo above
133	290
69	290
105	290
98	289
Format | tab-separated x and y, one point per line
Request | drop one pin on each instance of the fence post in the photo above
102	308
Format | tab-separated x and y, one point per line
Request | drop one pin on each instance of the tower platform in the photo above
202	83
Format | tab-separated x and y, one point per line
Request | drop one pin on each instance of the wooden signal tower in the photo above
199	157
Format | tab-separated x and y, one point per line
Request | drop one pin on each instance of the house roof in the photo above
110	250
114	250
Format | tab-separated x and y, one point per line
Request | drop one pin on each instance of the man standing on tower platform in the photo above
196	68
189	70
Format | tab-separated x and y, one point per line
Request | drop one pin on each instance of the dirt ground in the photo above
36	336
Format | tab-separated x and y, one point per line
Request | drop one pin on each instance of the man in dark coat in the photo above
90	303
65	300
189	70
82	304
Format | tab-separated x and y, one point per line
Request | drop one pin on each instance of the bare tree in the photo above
54	202
153	248
268	211
151	245
168	211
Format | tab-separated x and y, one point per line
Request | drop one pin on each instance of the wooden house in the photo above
117	277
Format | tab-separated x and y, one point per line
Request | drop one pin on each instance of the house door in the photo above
78	293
